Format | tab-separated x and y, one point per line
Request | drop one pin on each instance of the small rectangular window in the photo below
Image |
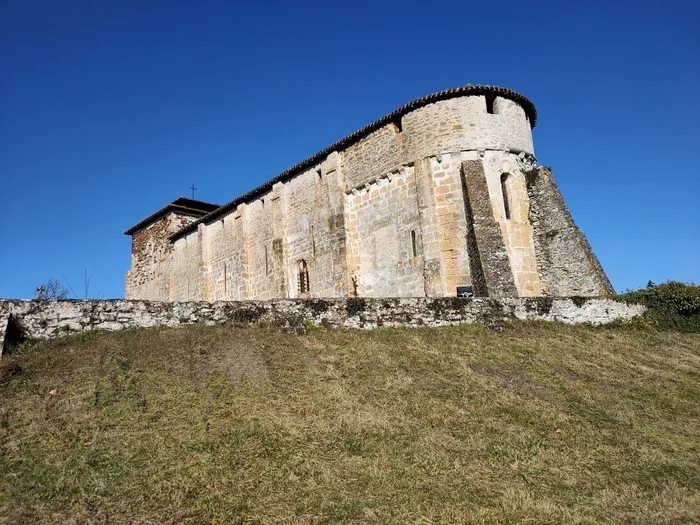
414	251
504	191
313	242
490	99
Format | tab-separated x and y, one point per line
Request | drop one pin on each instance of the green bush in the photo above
672	305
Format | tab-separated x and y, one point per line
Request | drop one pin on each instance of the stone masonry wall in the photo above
186	270
314	233
565	259
49	319
383	234
150	249
516	228
227	253
451	218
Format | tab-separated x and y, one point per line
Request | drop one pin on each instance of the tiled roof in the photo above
182	205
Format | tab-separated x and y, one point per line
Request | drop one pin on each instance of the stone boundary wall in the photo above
49	319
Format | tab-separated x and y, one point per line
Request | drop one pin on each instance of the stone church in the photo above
441	197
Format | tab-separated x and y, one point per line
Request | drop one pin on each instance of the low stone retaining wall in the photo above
48	319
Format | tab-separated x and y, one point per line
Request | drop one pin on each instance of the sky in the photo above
110	110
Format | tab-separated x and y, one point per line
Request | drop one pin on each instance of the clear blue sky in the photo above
109	110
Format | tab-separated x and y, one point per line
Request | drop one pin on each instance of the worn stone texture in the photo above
386	215
49	319
452	224
150	248
493	260
516	229
564	256
382	234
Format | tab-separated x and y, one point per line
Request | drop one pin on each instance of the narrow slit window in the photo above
397	124
313	242
504	191
490	99
267	262
225	279
302	277
414	251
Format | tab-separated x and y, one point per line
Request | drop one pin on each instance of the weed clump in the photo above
447	304
318	306
579	301
355	305
9	370
539	305
670	306
247	315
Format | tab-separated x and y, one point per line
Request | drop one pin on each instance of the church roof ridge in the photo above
184	205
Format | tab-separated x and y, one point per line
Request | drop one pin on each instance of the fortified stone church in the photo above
441	197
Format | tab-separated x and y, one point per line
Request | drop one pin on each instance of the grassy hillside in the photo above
540	423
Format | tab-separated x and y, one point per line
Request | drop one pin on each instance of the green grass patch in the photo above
541	423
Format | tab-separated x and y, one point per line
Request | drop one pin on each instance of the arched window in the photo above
302	277
504	190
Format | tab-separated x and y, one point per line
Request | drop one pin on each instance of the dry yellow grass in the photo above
538	424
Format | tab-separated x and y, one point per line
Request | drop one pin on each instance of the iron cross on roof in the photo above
193	190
